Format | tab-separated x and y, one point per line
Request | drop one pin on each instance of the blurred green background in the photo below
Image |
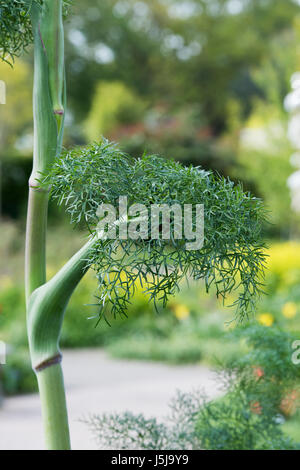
200	81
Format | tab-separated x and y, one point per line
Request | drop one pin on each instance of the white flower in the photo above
296	202
295	80
292	101
294	130
292	105
293	181
295	159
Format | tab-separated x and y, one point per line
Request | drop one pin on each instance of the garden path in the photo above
96	383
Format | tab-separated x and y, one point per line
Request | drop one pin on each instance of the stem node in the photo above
48	363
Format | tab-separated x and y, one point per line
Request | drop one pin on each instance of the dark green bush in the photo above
17	376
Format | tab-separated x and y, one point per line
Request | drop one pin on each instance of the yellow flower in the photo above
289	310
181	311
266	319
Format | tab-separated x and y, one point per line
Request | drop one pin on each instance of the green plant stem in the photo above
43	319
35	254
54	408
45	316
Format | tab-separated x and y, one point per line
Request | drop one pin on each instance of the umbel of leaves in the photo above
232	257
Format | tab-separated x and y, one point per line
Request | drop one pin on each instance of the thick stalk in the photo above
48	96
45	150
54	408
45	317
35	255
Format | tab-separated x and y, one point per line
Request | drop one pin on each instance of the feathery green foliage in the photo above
233	253
228	423
239	422
270	349
257	384
128	431
16	27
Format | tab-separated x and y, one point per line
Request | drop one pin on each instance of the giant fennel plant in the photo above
81	179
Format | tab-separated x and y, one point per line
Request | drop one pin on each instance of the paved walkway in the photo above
96	383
